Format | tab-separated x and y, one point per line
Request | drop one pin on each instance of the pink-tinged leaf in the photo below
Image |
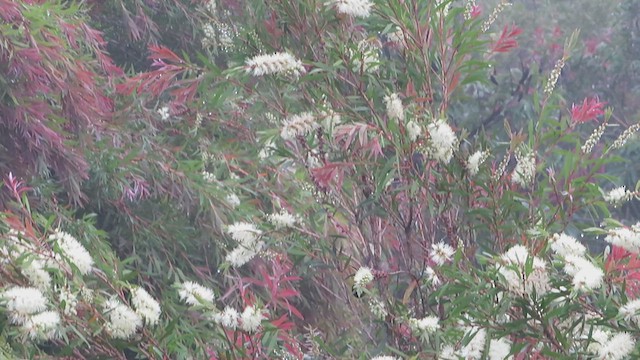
590	109
507	40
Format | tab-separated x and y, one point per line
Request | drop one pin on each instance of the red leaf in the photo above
507	40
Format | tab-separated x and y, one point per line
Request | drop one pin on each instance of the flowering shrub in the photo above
325	179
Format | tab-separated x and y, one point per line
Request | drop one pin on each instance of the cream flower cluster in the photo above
627	238
586	275
146	306
283	219
618	195
355	8
414	130
73	251
360	280
26	306
525	169
616	347
395	110
514	273
248	237
441	253
298	125
278	63
425	326
250	320
499	349
193	293
122	321
475	160
442	141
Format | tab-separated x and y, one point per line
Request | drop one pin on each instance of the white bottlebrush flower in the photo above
122	321
283	219
514	272
525	169
42	326
73	251
243	232
473	350
384	357
627	238
565	245
448	352
228	318
413	130
233	200
146	306
355	8
244	253
617	347
431	276
278	63
360	280
631	311
251	319
475	160
208	177
21	302
164	113
425	326
211	6
442	141
618	195
68	301
499	349
441	253
395	110
599	338
298	125
586	276
192	293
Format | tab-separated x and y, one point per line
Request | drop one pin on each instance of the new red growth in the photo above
590	109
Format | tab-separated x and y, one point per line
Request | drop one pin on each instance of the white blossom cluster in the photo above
250	320
146	306
361	279
441	253
425	326
31	260
414	130
625	237
283	219
394	107
278	63
298	125
631	311
499	349
26	306
249	243
72	251
586	275
384	357
354	8
442	141
618	195
122	321
525	169
513	270
616	347
475	160
193	293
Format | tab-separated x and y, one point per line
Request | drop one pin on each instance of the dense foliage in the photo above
427	179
